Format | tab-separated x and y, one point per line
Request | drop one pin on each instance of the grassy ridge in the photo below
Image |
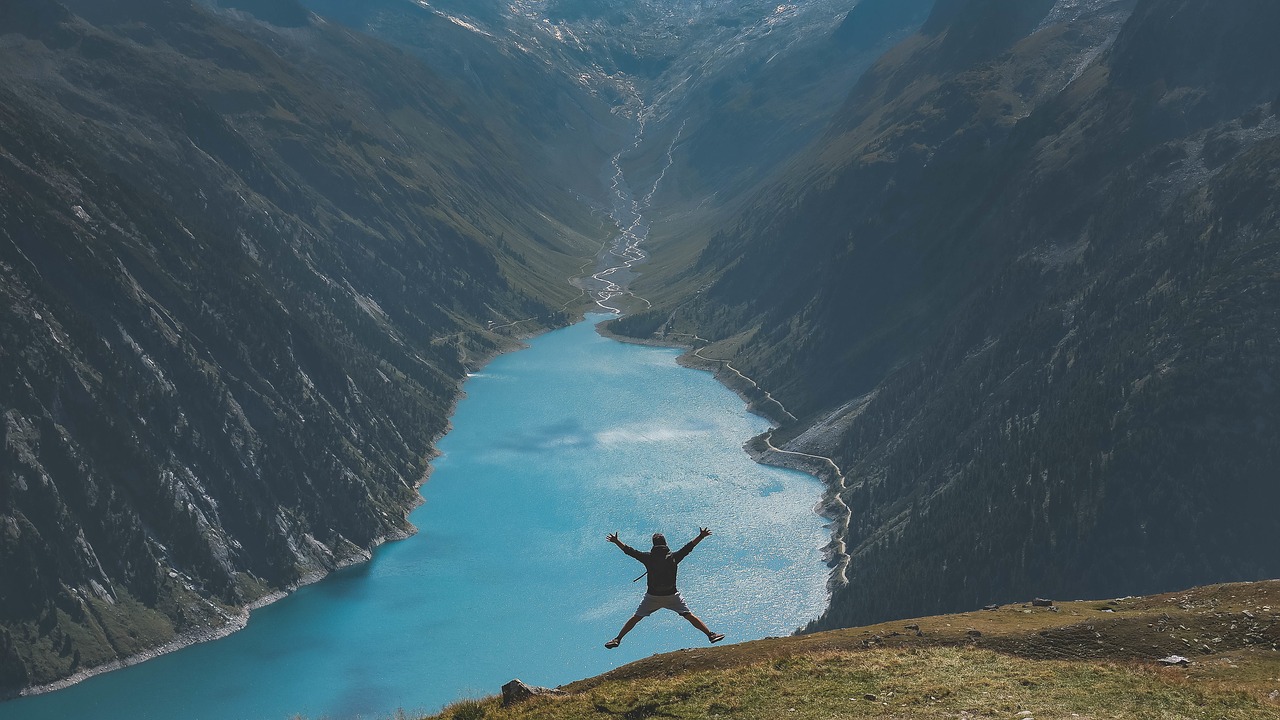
1092	659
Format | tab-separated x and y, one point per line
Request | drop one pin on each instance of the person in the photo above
660	565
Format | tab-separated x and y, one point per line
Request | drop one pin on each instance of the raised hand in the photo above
612	537
703	532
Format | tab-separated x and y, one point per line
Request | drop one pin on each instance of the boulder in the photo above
516	692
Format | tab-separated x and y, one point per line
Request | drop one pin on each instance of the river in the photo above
510	576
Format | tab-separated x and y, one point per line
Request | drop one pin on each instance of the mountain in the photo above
1011	265
537	100
745	87
252	251
746	103
713	94
738	85
1022	292
247	258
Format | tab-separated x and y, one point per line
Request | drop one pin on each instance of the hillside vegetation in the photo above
1023	293
243	269
1072	659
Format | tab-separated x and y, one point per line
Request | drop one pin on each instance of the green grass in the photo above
937	682
1078	660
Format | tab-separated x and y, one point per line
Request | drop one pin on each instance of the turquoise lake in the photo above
510	576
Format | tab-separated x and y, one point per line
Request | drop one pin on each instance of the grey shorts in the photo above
653	603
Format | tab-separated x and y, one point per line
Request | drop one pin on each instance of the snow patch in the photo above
367	304
1071	10
453	19
147	362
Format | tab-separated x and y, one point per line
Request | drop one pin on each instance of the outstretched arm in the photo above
688	548
613	538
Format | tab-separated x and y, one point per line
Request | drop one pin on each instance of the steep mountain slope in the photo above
756	100
538	100
1023	293
896	175
244	269
740	103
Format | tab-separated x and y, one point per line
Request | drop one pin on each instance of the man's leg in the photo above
631	623
694	621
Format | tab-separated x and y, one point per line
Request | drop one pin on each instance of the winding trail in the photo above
839	548
844	515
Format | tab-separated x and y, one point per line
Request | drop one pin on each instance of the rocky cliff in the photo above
1023	293
247	257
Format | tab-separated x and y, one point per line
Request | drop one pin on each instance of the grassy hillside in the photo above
1073	659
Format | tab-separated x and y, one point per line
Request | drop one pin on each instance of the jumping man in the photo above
661	564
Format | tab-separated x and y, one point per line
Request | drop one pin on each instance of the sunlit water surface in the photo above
510	576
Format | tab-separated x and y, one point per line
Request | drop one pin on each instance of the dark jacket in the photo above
661	564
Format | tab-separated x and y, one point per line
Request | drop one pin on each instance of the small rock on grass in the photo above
516	691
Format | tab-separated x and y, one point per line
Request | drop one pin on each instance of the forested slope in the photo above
1026	293
244	267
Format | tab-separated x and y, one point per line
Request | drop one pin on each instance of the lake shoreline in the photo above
241	617
235	623
757	448
689	360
